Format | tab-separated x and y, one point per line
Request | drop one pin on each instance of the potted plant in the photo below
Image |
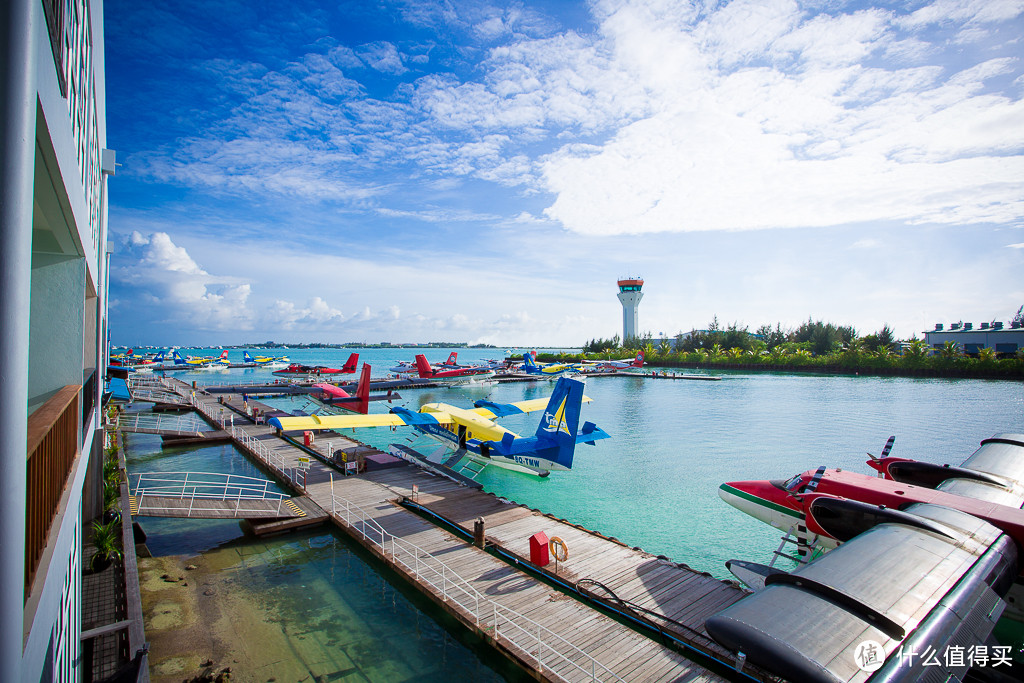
111	499
111	489
105	539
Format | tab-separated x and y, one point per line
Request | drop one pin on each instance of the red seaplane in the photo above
988	485
337	397
299	369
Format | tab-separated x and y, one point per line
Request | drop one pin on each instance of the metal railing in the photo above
295	475
165	424
542	644
200	486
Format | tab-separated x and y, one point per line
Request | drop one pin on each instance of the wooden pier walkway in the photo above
549	632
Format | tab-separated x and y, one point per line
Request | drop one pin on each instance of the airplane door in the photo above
462	436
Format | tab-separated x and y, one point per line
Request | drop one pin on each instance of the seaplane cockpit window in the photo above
794	483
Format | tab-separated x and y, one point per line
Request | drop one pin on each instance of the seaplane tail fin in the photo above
159	358
351	364
247	358
362	405
178	360
423	366
528	362
453	358
560	421
638	362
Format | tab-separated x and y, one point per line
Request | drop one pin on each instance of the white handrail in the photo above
209	485
486	613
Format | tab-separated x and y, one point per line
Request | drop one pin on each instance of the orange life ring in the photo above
558	549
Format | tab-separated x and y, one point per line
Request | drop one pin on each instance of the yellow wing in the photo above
528	406
291	424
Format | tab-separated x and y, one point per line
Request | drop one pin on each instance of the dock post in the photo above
479	539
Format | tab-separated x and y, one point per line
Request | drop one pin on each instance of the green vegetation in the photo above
106	539
813	346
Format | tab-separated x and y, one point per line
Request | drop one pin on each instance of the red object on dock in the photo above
307	438
539	549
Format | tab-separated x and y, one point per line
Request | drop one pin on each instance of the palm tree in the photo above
986	354
915	352
950	349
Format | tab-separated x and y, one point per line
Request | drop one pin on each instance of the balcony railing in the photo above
52	448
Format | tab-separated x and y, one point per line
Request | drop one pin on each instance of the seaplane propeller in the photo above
885	449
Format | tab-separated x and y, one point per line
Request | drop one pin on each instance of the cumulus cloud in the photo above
172	285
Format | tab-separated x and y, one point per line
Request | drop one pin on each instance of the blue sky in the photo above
411	171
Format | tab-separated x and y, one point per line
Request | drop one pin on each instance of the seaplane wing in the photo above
994	473
490	409
396	419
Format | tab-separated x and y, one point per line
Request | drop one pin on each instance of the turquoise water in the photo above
308	603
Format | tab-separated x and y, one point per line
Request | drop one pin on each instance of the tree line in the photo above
813	344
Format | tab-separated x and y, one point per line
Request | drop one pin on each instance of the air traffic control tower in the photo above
629	297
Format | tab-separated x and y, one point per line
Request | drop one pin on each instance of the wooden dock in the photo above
643	585
545	628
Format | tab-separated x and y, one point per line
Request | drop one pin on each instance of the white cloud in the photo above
167	278
824	141
1019	245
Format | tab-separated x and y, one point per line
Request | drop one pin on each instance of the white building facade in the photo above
53	167
971	338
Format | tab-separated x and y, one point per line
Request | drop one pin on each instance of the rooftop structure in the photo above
630	295
53	172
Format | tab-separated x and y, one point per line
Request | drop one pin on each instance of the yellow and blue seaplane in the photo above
550	370
472	433
266	361
199	362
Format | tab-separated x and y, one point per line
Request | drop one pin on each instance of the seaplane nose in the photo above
747	497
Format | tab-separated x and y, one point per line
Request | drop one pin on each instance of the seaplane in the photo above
472	433
316	370
410	368
551	370
988	485
456	374
333	396
196	362
266	361
926	558
616	365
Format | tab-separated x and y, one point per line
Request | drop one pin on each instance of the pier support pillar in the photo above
17	159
